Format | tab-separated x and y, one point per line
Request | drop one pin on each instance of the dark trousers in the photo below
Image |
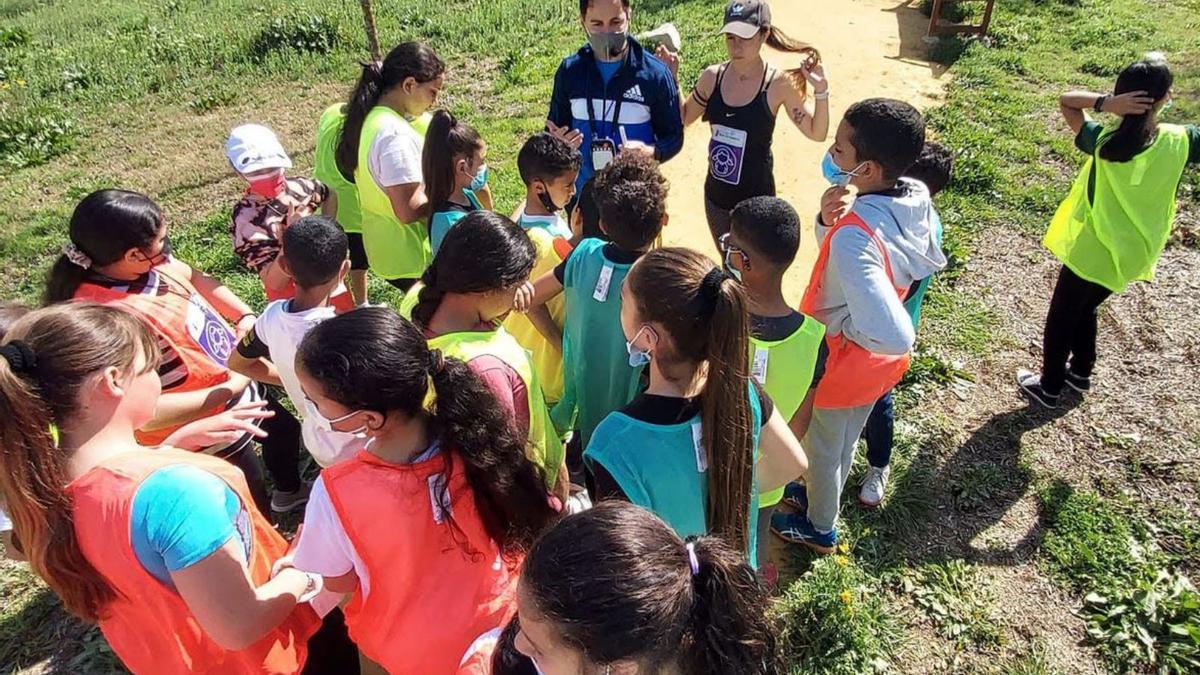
1070	333
402	284
281	447
880	432
330	649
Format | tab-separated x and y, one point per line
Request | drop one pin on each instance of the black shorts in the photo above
358	253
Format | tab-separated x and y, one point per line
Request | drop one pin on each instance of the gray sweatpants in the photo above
829	444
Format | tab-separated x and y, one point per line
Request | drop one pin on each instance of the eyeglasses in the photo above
727	246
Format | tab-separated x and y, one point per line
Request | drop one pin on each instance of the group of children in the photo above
536	366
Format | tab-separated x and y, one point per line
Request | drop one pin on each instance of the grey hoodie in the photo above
858	300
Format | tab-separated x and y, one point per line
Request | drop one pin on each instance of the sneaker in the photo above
1031	385
1079	383
795	495
284	502
874	485
797	529
579	501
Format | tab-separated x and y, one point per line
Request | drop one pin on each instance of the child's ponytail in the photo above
510	490
48	356
447	140
485	251
704	312
1135	132
619	585
780	41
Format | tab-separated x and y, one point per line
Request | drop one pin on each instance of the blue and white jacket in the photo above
649	103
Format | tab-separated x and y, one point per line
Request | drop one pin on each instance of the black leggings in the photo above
1070	329
330	649
281	447
402	284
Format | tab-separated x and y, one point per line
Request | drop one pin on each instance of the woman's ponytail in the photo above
447	140
704	312
728	631
510	490
1136	133
619	585
780	41
48	356
408	59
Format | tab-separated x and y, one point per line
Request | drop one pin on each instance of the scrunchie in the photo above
710	288
20	356
437	362
77	256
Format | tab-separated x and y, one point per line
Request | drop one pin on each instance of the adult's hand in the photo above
573	137
637	146
1129	103
223	428
814	74
670	58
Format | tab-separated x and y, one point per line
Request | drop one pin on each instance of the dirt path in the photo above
870	48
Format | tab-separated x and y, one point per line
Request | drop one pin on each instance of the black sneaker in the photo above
1079	383
1031	386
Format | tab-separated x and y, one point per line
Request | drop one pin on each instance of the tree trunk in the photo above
369	24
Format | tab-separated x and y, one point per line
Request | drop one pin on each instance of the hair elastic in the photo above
710	288
77	256
437	362
693	561
19	355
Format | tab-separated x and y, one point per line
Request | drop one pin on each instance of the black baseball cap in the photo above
744	18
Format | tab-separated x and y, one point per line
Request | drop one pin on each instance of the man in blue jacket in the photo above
612	95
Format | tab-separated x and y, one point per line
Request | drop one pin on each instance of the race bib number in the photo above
209	331
726	153
759	368
698	444
600	293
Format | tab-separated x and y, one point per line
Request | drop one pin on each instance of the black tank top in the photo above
740	163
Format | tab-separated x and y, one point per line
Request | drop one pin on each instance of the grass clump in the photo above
312	34
29	138
1089	543
1154	625
956	600
834	621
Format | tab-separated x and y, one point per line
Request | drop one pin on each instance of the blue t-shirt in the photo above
447	216
914	301
607	69
181	514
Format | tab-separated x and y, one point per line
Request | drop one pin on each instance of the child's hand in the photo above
836	203
523	299
225	427
1129	103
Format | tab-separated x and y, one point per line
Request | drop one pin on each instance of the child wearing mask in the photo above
454	168
271	203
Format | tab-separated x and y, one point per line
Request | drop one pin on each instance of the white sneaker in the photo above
873	486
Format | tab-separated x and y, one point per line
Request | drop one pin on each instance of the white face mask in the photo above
325	424
637	357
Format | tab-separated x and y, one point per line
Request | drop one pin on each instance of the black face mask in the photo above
166	249
548	202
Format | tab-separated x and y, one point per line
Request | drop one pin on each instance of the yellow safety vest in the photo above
547	358
395	250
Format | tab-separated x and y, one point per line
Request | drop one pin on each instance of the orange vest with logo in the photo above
182	317
149	626
853	376
435	585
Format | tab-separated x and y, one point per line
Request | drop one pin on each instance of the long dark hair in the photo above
105	225
49	355
446	141
780	41
704	313
618	584
373	359
484	251
1136	133
407	59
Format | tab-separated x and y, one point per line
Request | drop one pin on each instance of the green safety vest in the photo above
785	370
395	250
329	133
545	448
1116	236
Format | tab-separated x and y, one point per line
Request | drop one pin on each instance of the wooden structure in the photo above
936	25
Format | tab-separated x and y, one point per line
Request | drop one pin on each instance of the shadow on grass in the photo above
934	512
44	636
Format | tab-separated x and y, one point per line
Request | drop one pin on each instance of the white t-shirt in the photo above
282	332
5	523
324	547
395	154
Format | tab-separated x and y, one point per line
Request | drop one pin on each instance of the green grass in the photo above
956	600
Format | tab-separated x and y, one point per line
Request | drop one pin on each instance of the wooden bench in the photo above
936	25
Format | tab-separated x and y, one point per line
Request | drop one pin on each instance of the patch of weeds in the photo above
211	100
312	34
1034	660
1177	534
77	77
1153	625
833	621
29	138
928	368
948	49
12	37
977	487
955	599
1089	543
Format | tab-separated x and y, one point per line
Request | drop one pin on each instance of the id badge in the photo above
603	151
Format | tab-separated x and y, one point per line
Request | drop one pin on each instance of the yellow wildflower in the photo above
846	597
841	560
843	548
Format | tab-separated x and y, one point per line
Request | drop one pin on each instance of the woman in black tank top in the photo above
742	118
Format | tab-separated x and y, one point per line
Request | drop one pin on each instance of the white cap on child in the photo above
254	147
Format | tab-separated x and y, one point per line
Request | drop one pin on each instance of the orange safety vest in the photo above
149	626
341	300
435	585
853	376
182	317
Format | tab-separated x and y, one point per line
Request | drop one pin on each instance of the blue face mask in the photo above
480	180
834	174
637	357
